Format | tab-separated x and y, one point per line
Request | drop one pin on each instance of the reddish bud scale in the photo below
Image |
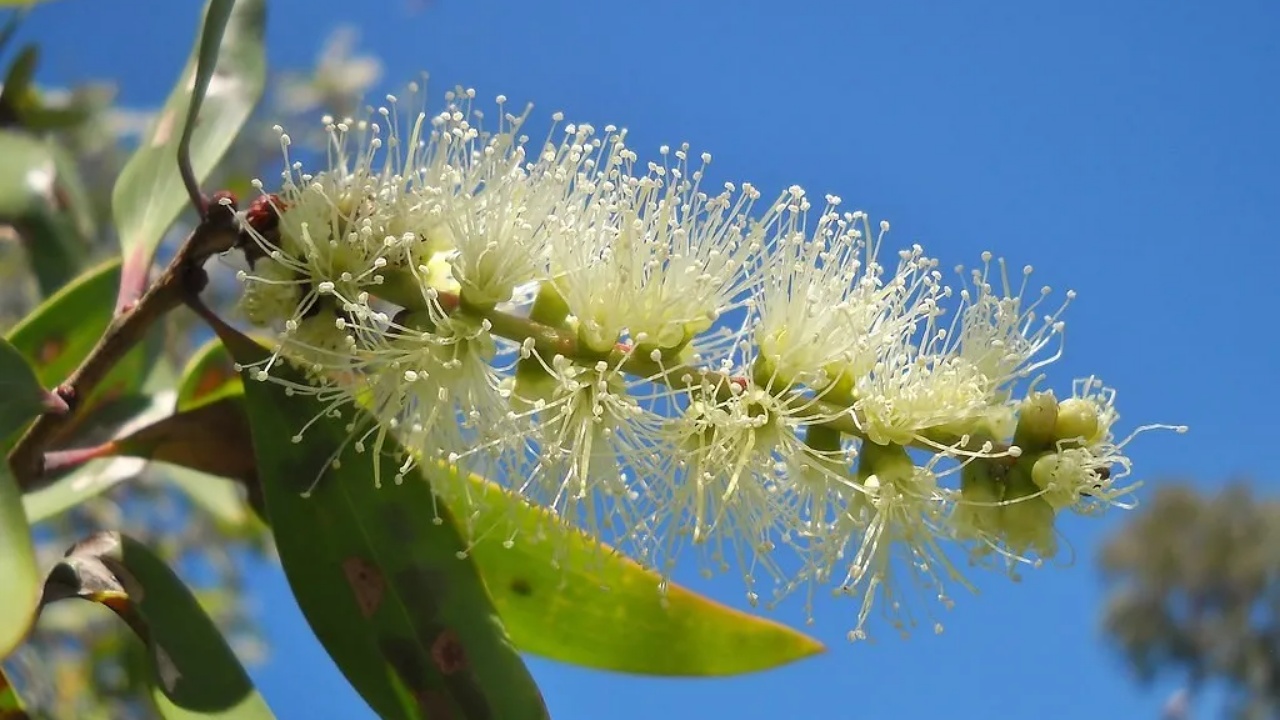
263	214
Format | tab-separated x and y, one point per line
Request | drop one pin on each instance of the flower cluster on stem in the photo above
675	366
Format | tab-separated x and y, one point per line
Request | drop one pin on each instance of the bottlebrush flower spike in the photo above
672	367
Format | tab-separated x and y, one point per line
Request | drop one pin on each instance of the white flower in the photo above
653	257
670	367
826	312
592	440
999	333
901	514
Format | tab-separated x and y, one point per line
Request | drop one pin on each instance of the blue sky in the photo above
1128	150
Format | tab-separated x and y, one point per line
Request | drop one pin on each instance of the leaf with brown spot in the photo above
194	673
58	335
386	654
366	582
602	610
208	376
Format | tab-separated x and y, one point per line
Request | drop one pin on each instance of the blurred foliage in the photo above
86	122
1194	582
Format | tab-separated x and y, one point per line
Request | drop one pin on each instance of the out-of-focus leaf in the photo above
598	609
222	498
205	437
57	336
194	673
69	489
209	375
19	581
32	199
21	396
11	707
149	193
17	82
20	584
408	622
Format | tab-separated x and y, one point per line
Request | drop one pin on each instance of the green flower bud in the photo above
977	514
1077	421
549	307
1027	520
1037	418
890	463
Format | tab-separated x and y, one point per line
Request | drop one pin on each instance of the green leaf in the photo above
149	193
58	335
20	588
96	476
17	81
11	707
205	437
601	610
209	375
194	673
21	396
383	586
35	183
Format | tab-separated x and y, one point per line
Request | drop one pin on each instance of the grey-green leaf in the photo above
34	182
210	104
19	581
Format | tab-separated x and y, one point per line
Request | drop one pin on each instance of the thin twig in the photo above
183	277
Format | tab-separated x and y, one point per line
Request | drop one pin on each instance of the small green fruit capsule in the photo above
1077	421
1037	419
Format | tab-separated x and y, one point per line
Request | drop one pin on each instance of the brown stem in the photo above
182	278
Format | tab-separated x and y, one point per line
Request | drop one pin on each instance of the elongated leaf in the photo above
57	336
194	673
209	375
149	193
88	480
600	610
21	396
32	195
203	437
19	579
383	586
11	707
20	401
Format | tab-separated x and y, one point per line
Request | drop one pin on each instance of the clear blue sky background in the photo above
1128	150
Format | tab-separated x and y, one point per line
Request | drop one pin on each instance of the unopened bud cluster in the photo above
672	365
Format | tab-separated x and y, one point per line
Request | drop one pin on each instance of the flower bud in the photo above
1037	418
1026	519
1077	421
889	463
977	514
